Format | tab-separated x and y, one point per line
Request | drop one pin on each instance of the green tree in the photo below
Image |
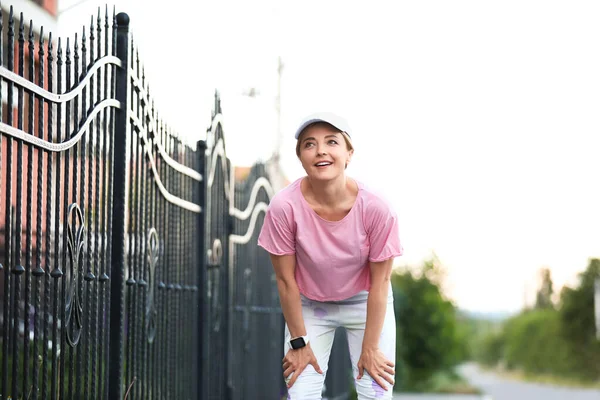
545	340
578	324
490	349
427	336
532	343
543	298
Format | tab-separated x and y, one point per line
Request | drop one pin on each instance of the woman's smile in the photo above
323	164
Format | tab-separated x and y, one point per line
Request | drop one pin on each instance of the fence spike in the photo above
91	31
106	26
68	55
41	49
59	53
83	52
114	30
76	61
11	22
99	34
50	56
92	59
31	46
22	29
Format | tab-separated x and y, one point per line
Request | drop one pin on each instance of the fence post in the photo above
202	307
227	290
121	135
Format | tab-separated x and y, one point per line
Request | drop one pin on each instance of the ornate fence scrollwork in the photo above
153	254
74	296
215	254
215	259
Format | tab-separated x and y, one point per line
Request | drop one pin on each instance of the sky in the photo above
477	120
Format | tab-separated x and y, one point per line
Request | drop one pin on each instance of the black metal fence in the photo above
57	148
128	258
257	325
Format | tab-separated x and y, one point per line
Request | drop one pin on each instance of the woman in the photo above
332	243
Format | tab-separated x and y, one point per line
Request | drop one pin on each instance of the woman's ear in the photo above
350	153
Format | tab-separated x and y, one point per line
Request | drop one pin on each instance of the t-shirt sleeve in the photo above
277	235
383	231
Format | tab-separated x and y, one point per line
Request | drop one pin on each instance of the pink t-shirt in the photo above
332	257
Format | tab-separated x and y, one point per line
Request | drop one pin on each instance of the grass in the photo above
450	382
548	379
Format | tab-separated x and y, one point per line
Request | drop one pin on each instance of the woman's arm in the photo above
289	294
295	361
381	273
371	358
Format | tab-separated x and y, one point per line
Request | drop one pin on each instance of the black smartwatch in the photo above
299	342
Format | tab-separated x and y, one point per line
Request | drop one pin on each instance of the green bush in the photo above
557	341
490	349
428	339
534	344
578	325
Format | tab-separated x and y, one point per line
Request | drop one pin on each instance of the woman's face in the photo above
323	152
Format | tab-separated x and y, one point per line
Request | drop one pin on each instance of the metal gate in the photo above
101	223
215	327
128	258
256	318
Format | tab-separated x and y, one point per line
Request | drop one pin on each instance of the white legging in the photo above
321	319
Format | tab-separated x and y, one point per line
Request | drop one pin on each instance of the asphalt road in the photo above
498	388
437	397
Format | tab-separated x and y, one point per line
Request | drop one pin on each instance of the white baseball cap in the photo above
333	119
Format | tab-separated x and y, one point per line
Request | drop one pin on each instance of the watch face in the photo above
297	343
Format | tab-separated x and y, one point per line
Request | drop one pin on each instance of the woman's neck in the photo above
329	193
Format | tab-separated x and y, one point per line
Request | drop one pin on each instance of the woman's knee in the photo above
308	386
367	389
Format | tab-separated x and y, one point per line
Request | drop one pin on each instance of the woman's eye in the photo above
308	144
333	141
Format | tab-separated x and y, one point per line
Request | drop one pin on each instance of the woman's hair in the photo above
333	128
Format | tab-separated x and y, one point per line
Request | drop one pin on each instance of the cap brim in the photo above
334	120
309	122
312	121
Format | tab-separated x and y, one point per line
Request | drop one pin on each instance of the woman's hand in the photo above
378	366
295	361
